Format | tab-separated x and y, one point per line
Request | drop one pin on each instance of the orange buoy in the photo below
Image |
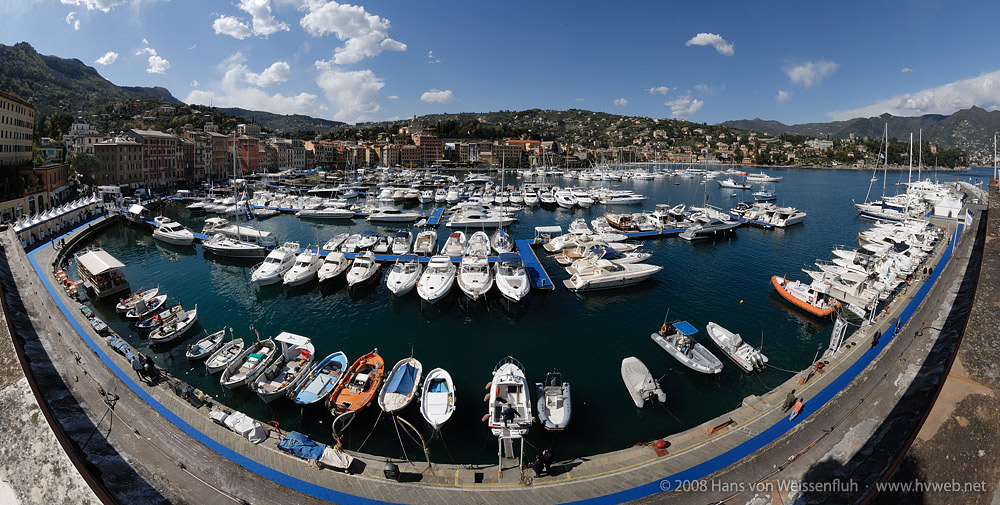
485	417
486	398
489	385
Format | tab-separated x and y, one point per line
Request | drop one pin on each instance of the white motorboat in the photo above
425	243
326	213
479	217
334	264
762	177
512	277
274	266
294	359
350	244
403	275
455	245
509	401
607	253
334	243
474	276
319	382
142	308
221	225
501	241
675	338
368	240
198	207
174	233
742	353
127	303
401	242
224	245
440	195
383	245
306	265
388	214
547	198
400	386
531	198
250	363
565	199
730	183
174	327
478	245
437	278
363	269
641	385
437	399
426	196
554	406
226	354
604	274
206	346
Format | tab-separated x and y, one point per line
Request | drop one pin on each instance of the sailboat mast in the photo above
920	151
885	171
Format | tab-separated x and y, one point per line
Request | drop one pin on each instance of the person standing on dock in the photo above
875	337
789	400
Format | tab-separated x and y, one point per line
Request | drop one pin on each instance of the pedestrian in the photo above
508	414
537	465
547	459
149	368
899	324
789	400
139	367
798	407
875	337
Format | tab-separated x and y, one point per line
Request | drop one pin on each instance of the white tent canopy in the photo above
97	262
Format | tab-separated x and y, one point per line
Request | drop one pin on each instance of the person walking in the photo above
547	459
875	337
139	367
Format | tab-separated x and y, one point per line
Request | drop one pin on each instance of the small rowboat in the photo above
437	402
400	385
321	380
359	385
127	303
142	308
225	355
206	346
151	322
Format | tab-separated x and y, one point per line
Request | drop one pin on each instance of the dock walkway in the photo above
536	273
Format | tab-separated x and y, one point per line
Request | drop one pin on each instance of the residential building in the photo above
50	151
251	129
247	154
298	154
220	163
17	123
81	138
160	166
432	148
121	163
47	185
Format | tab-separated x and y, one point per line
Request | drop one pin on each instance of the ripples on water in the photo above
585	335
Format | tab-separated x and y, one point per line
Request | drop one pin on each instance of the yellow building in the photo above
17	122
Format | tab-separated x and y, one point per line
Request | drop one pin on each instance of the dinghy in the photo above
400	385
642	387
321	380
437	400
206	346
553	402
225	355
359	385
675	338
745	355
249	364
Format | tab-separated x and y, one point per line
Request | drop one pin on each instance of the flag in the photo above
248	211
968	218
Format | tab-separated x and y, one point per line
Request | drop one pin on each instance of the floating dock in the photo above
435	218
536	274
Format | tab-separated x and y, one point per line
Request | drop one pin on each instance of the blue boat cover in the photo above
609	253
368	232
438	386
402	381
402	233
509	256
685	328
408	257
300	445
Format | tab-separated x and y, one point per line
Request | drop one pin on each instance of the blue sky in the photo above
707	62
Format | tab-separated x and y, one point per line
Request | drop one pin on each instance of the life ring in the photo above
663	329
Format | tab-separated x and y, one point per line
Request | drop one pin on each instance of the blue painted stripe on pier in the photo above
269	473
783	426
536	274
435	218
654	233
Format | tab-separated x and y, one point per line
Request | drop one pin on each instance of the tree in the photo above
85	167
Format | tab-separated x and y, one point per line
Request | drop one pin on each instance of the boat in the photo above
174	233
249	364
732	184
478	245
706	227
564	198
641	385
762	177
766	194
350	244
293	360
425	243
226	354
501	241
455	245
383	245
319	382
101	273
368	240
742	353
334	243
554	406
306	265
363	269
221	225
334	264
675	338
206	346
389	214
224	245
326	213
403	275
604	274
358	386
509	390
437	278
274	266
479	217
437	399
127	303
474	276
150	322
401	242
426	196
512	277
400	386
813	298
606	253
142	309
174	327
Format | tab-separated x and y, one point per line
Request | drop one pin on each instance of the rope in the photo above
400	437
370	432
440	435
782	369
685	425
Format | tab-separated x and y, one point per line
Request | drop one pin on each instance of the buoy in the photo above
485	417
489	385
741	301
486	398
660	444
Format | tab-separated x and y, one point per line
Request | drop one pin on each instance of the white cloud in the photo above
431	59
392	97
579	99
810	73
194	83
353	93
659	90
264	23
621	101
145	42
233	92
277	73
365	35
72	20
708	89
783	96
684	107
232	26
108	58
906	70
157	64
437	96
981	91
95	5
711	39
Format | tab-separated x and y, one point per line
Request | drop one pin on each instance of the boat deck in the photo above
536	274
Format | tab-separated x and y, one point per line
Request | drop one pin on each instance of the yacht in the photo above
326	213
363	269
426	196
307	264
426	242
437	278
565	199
387	214
604	274
511	277
705	227
223	245
334	264
403	275
221	225
275	264
480	217
762	177
401	242
474	276
172	232
440	195
531	198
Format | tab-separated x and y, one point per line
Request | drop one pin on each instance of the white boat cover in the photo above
246	427
98	262
335	458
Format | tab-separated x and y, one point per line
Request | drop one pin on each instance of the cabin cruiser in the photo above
224	245
334	264
274	266
403	275
474	276
706	227
565	199
173	233
326	213
387	214
604	274
221	225
480	217
350	244
509	400
511	277
401	242
363	269
437	278
306	265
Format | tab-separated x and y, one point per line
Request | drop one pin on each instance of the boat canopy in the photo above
548	229
402	381
403	233
609	253
685	327
409	257
136	209
98	262
368	233
508	256
292	339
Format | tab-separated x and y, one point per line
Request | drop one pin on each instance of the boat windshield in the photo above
272	260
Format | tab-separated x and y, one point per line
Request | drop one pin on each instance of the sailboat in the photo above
880	210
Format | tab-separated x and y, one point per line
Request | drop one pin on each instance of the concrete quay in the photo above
168	451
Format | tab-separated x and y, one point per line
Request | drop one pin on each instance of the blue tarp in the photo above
609	253
685	328
509	257
300	445
402	381
438	386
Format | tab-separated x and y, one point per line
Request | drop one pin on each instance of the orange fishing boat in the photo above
358	385
813	298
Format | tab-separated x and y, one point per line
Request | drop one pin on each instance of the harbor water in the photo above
585	336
